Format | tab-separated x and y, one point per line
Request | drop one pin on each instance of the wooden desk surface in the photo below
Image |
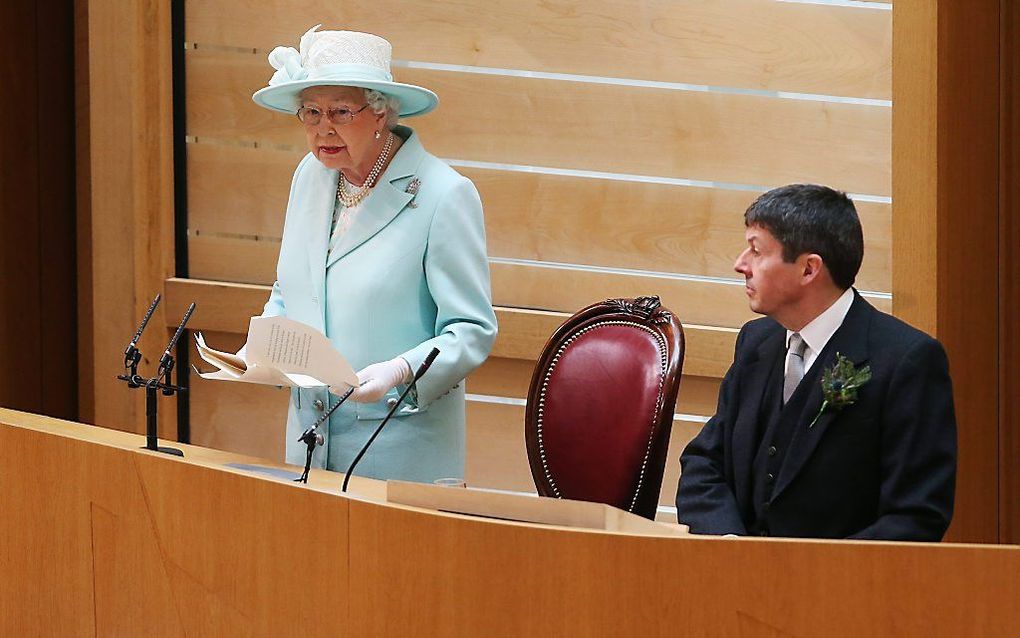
99	537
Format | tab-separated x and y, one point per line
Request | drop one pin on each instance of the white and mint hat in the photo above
338	58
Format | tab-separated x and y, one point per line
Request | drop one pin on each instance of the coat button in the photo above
319	405
390	402
772	450
765	506
768	477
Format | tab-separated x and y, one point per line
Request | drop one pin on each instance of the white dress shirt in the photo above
818	332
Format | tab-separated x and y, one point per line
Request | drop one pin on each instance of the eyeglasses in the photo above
312	115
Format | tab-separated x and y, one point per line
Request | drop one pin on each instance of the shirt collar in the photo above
820	329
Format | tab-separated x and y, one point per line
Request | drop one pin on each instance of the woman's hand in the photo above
379	378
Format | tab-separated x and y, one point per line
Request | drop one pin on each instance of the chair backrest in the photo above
600	407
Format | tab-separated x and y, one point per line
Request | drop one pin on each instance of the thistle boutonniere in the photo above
840	384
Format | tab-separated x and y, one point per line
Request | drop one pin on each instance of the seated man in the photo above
835	420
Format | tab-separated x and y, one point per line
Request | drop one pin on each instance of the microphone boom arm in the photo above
417	375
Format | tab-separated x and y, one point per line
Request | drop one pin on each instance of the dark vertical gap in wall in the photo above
38	318
58	286
180	204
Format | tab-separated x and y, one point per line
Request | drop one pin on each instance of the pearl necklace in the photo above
350	200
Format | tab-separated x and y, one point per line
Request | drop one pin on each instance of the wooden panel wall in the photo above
615	146
133	543
945	229
125	199
1009	276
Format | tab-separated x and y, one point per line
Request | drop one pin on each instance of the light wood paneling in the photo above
568	290
503	377
234	189
497	457
945	228
570	584
513	285
250	419
689	134
134	543
227	307
130	199
243	418
131	543
738	43
232	258
618	224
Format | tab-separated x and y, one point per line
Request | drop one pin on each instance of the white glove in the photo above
379	378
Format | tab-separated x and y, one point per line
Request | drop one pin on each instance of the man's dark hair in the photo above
808	218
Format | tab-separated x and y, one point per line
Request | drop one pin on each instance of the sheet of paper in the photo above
295	348
223	360
280	352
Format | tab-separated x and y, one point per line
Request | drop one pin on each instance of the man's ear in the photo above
812	267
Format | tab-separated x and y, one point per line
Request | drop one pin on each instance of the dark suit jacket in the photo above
882	468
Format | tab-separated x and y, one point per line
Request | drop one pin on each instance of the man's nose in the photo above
740	265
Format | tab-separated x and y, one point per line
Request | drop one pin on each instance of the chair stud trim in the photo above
664	364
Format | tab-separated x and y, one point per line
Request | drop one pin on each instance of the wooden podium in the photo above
99	537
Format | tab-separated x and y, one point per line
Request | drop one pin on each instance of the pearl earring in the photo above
378	134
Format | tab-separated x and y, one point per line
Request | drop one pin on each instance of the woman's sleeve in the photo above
457	275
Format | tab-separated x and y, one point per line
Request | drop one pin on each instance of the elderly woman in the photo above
384	251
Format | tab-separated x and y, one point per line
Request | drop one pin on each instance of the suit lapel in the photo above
386	201
746	433
321	196
850	340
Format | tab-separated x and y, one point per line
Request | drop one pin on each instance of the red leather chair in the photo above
600	407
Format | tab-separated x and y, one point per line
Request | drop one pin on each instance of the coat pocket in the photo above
379	409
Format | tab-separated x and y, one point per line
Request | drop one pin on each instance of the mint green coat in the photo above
410	274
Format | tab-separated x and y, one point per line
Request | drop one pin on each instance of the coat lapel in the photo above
321	195
850	340
746	433
386	201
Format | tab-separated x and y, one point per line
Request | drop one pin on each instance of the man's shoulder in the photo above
754	332
895	336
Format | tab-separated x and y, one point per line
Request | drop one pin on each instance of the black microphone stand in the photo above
393	409
312	437
161	381
132	355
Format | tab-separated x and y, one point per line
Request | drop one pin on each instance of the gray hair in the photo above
382	103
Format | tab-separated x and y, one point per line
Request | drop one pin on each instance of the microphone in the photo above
417	375
166	362
312	437
131	354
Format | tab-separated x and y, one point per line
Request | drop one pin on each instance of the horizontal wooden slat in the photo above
694	302
510	378
611	223
497	457
251	420
226	307
232	259
689	134
238	417
740	43
514	285
241	190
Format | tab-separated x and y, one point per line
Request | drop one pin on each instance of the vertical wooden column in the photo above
124	102
945	221
1009	278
